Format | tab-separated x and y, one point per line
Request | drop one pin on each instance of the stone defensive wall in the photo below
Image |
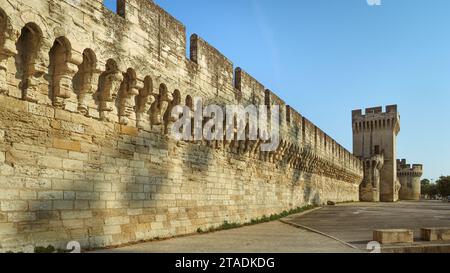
85	155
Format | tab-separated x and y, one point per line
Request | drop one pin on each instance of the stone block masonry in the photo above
386	178
409	176
375	141
435	234
84	151
393	236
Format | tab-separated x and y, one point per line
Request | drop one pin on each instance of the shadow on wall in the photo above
131	205
104	196
299	180
197	157
310	195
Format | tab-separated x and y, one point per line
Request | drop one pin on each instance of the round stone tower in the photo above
409	177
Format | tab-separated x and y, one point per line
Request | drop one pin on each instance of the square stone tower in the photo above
375	133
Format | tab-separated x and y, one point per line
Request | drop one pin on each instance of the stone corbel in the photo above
30	85
89	85
7	51
296	161
127	102
254	150
291	157
143	106
164	105
160	107
108	91
276	155
63	88
281	151
171	120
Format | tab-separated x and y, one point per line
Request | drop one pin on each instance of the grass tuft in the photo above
264	219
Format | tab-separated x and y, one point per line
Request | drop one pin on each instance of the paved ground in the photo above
350	223
354	223
273	237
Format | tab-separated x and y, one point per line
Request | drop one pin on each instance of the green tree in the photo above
429	188
443	186
426	187
432	189
425	182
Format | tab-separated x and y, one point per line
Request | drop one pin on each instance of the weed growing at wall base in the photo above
274	217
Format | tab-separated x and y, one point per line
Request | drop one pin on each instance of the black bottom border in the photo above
223	262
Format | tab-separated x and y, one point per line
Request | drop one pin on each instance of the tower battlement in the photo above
404	169
371	111
375	118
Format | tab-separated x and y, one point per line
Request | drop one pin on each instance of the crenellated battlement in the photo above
405	169
390	109
375	119
130	61
249	89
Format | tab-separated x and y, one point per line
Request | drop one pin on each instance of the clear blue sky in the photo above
327	57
